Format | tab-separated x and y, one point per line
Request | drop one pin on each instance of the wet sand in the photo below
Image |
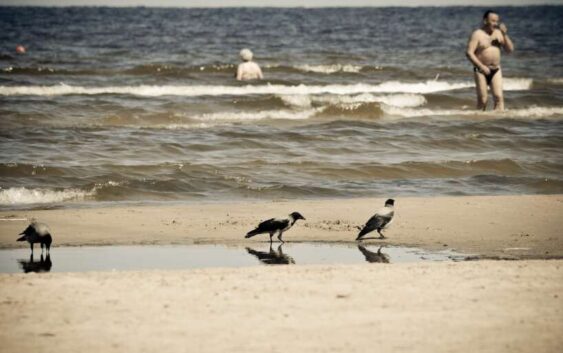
485	306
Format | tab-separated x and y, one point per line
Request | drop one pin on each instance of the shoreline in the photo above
513	226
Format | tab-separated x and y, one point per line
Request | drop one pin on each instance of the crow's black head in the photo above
390	202
297	215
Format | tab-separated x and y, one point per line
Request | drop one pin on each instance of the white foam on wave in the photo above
329	69
517	84
529	113
261	115
21	195
396	100
556	81
300	101
199	90
354	101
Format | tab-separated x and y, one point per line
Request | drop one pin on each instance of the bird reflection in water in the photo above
272	257
43	265
374	256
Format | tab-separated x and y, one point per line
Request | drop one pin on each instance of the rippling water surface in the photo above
138	105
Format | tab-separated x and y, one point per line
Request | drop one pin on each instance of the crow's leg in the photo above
31	246
271	235
381	236
280	237
42	245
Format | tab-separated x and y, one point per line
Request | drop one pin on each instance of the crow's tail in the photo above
252	233
361	234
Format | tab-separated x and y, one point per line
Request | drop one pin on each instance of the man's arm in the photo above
470	53
507	43
239	73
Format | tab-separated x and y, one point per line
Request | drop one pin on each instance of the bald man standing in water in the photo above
483	50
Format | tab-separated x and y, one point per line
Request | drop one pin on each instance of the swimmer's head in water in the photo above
246	54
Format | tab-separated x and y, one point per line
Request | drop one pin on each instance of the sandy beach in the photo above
483	306
486	306
486	226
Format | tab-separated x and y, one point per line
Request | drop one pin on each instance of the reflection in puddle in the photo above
149	257
43	265
272	257
374	256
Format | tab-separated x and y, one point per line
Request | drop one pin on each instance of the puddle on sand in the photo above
162	257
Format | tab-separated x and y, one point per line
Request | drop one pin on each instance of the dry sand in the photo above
483	306
477	306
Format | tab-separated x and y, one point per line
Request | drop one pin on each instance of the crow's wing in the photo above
269	226
272	224
378	221
372	224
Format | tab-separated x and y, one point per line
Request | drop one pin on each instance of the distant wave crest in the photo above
209	90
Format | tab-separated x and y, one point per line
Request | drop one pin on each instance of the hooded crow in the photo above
274	225
37	233
380	220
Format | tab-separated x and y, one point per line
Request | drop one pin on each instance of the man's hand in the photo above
503	28
485	70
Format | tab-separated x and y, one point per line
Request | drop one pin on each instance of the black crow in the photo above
274	225
380	220
37	233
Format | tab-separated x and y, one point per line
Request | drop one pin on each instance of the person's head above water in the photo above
491	19
246	54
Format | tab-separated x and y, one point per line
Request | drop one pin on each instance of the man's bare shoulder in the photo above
478	33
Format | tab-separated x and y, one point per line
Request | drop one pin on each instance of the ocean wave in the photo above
330	69
21	195
517	84
199	90
152	69
261	115
532	112
396	100
294	100
167	69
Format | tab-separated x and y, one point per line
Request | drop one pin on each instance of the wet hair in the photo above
487	13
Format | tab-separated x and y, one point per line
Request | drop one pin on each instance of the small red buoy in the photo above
20	49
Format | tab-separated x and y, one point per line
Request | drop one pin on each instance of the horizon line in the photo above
279	7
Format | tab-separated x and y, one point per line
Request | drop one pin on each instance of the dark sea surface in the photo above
140	105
